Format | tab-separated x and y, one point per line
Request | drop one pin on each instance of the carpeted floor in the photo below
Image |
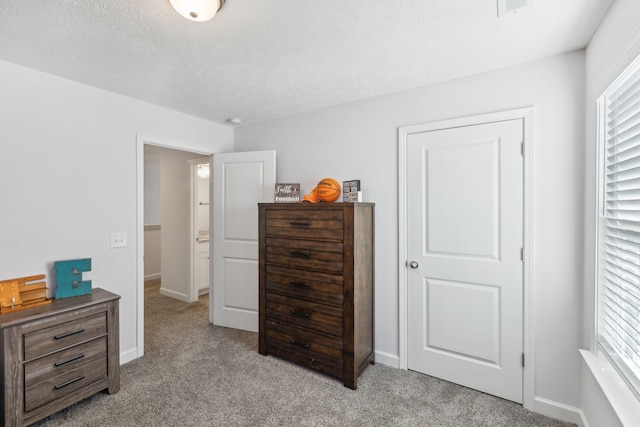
196	374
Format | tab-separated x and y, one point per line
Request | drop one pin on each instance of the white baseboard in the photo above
387	359
128	356
559	411
154	276
174	294
583	420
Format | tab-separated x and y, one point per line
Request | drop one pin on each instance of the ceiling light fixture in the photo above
197	10
512	7
203	171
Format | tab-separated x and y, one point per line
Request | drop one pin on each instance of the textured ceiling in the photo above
262	59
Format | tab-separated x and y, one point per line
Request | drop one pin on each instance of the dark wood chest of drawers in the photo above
316	285
58	354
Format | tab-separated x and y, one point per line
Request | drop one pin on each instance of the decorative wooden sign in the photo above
18	294
287	192
69	281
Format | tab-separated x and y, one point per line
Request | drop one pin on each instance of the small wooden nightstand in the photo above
58	354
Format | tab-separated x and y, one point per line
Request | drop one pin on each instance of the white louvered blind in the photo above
619	226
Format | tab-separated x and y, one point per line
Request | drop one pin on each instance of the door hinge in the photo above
523	360
522	254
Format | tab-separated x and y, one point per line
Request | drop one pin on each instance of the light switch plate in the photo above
118	240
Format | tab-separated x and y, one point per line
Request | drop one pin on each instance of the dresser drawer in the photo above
307	314
322	256
305	284
305	225
63	361
304	215
312	349
54	338
52	388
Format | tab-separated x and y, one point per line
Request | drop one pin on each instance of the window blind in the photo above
619	226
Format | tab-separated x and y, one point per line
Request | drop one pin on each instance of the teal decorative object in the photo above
69	281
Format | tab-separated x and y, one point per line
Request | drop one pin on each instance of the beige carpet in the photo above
196	374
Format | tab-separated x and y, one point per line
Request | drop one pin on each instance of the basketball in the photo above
327	190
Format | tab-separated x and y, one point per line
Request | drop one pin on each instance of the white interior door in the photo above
464	247
240	182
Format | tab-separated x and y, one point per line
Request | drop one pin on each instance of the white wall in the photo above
152	187
68	178
359	141
612	48
152	215
152	252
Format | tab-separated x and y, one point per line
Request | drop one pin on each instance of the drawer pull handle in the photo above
299	224
75	380
299	344
299	314
300	254
68	334
299	284
80	356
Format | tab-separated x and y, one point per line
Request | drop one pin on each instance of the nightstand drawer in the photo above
322	256
54	338
60	385
63	361
305	284
306	314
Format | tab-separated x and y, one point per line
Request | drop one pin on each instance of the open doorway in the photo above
164	222
168	212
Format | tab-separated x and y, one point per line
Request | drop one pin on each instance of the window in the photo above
618	255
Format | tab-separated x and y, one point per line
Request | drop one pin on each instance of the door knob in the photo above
413	264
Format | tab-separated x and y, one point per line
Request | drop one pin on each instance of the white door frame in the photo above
193	214
528	392
141	140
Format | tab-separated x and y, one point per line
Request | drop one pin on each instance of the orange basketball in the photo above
327	190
